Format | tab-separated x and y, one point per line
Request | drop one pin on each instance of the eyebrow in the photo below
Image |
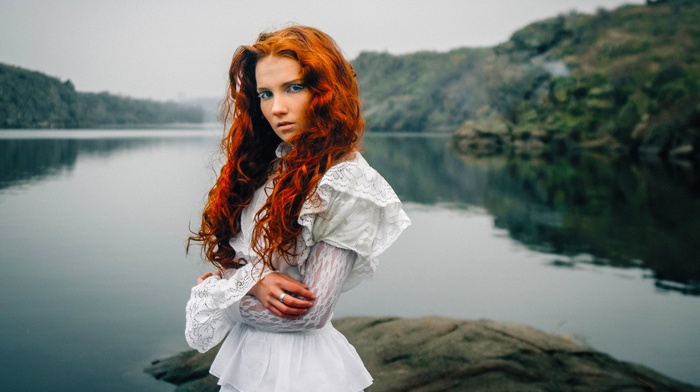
287	84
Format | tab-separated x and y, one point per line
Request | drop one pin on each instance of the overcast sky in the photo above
170	49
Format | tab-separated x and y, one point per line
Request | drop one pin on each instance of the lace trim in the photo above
355	179
283	149
207	321
328	268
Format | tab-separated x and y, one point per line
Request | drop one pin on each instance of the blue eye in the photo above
263	95
295	88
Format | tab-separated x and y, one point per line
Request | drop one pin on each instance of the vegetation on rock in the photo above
421	92
624	80
621	80
630	80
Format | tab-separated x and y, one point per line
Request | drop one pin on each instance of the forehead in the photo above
276	70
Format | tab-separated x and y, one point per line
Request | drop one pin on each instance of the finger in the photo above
291	305
293	286
298	290
288	310
279	283
274	308
294	302
283	279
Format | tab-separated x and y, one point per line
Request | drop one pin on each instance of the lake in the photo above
94	277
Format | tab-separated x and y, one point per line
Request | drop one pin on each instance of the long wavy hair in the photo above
335	125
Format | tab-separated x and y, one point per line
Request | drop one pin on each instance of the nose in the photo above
279	105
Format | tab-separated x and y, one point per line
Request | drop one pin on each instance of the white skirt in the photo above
252	360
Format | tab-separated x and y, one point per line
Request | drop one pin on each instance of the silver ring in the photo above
282	297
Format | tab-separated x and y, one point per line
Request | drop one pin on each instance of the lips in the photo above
285	126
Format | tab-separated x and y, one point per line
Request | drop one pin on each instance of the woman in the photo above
296	217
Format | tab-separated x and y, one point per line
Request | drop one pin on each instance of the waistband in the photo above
312	331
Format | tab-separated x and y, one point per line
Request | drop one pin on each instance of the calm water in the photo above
93	276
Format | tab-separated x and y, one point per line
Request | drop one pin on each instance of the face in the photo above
284	99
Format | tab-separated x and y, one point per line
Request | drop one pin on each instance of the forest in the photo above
621	80
30	99
624	80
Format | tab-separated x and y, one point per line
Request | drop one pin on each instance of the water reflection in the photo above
424	170
33	159
99	221
590	209
612	210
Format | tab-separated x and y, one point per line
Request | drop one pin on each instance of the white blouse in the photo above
351	218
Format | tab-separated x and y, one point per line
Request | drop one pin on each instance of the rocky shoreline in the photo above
441	354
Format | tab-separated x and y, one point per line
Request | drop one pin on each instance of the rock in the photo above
441	354
683	151
184	367
488	133
530	146
537	37
604	143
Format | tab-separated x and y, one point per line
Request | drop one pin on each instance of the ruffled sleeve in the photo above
353	208
213	306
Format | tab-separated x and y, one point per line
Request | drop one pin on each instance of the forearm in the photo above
327	268
207	316
206	323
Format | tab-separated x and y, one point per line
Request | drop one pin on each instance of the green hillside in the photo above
620	80
422	92
623	80
30	99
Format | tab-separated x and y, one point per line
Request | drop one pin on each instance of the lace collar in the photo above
283	149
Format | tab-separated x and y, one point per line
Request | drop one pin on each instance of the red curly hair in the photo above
335	126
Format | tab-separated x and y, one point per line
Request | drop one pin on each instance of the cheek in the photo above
265	109
304	105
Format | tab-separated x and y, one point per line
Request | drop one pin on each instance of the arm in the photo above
206	320
327	268
214	302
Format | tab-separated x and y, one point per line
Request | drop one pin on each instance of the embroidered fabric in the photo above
354	208
327	269
268	353
351	218
206	320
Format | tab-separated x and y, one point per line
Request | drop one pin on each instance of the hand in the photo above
297	300
208	274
